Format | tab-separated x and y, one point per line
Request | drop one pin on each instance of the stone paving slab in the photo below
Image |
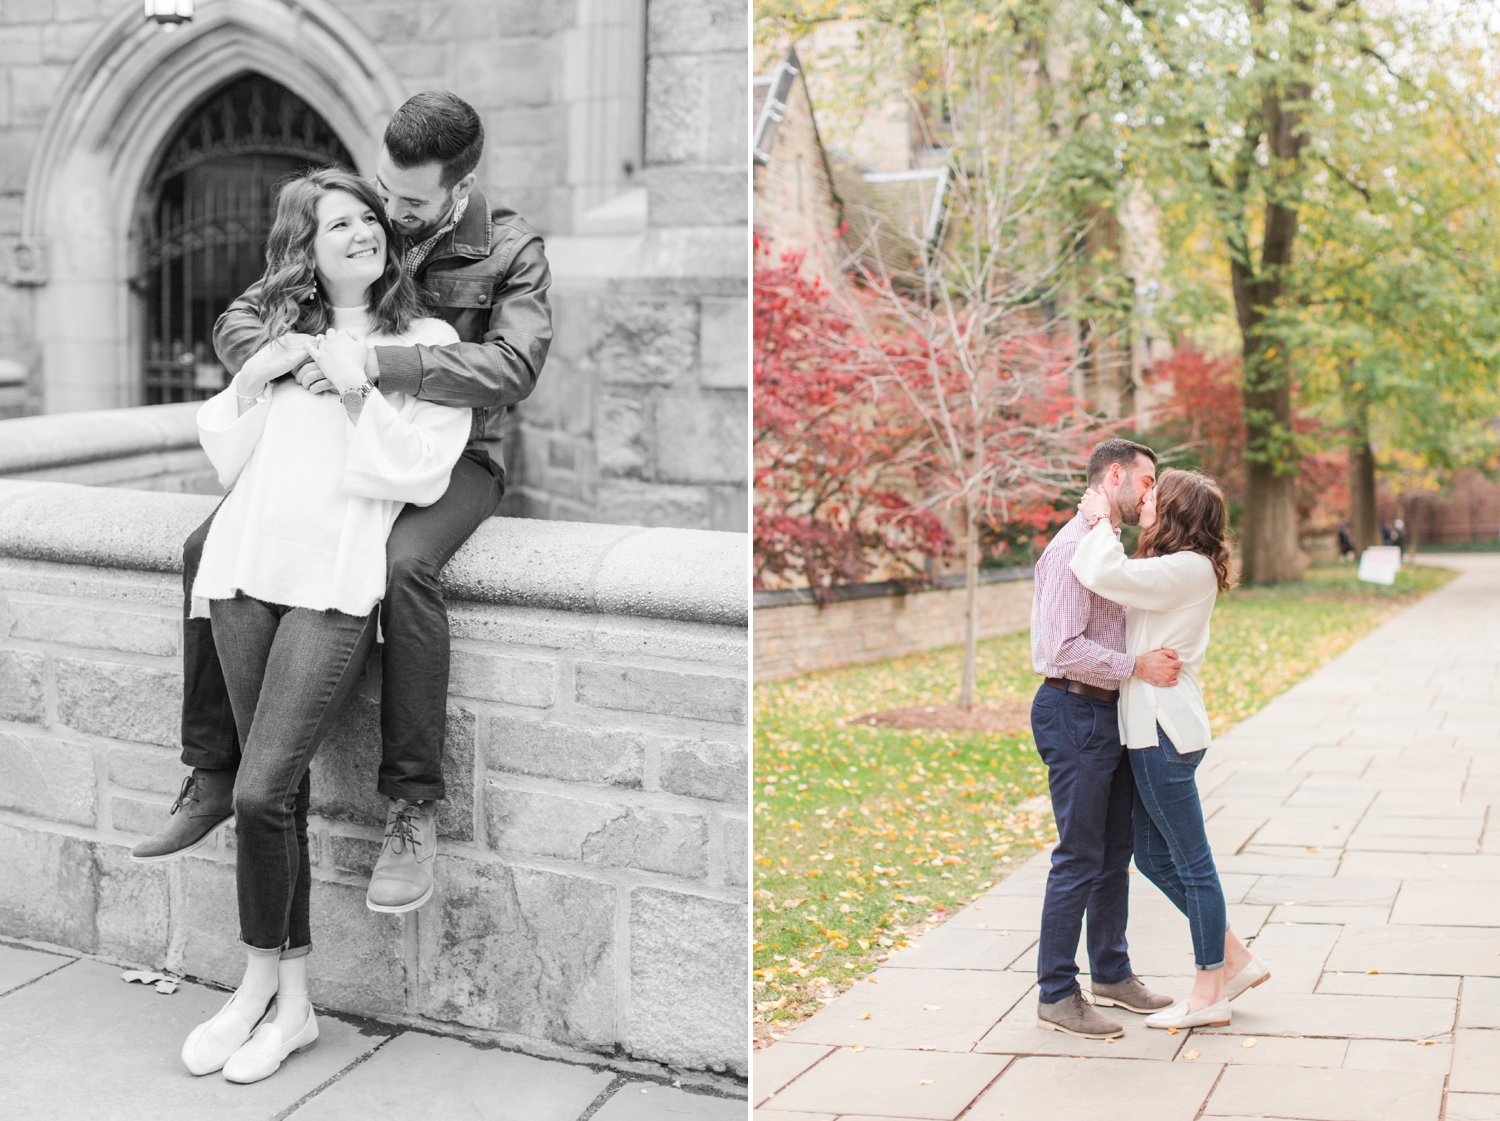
1354	831
637	1101
20	965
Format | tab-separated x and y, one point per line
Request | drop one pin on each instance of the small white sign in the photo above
1379	564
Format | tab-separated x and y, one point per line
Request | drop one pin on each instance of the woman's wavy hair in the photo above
291	299
1190	518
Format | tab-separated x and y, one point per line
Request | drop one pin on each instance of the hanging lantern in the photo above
169	13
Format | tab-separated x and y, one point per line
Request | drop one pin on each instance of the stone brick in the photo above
724	344
143	768
520	950
565	751
32	91
455	816
70	9
706	769
495	75
48	778
520	626
157	589
347	766
695	26
210	923
647	342
687	944
94	625
133	910
48	888
672	638
624	442
628	502
64	42
120	700
395	23
137	815
665	692
676	110
697	197
736	851
364	972
20	45
603	833
729	509
353	854
22	693
419	60
493	677
702	437
16	148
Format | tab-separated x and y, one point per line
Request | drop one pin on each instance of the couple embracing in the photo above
1121	725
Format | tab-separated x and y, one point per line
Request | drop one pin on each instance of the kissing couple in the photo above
1120	723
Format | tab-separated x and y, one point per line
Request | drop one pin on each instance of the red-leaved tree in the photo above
830	503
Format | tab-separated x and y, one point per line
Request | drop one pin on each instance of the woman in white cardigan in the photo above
294	566
1168	591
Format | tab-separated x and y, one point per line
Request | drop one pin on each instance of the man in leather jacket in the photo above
486	273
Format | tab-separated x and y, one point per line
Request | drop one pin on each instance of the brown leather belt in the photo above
1108	696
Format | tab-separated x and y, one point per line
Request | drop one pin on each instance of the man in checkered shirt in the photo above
1078	646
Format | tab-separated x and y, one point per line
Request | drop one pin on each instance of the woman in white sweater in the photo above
1168	591
294	566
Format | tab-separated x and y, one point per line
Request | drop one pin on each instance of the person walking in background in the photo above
1346	540
1168	592
293	566
482	270
1078	646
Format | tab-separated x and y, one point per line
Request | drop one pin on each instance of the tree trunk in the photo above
1364	522
971	608
1268	544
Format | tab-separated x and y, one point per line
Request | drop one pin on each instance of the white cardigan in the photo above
1168	601
314	495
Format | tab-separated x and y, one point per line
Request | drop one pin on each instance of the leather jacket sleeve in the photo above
235	331
499	370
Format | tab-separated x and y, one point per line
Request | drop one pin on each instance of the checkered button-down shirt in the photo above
1075	633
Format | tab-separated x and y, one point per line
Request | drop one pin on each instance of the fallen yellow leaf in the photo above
927	1082
1372	971
873	980
1426	1043
1174	1031
1190	1055
866	1016
1248	1043
857	1048
932	1008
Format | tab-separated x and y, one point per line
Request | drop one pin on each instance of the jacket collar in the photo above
471	237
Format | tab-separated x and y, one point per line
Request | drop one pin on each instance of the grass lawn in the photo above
865	835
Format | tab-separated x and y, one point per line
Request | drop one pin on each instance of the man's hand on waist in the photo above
1159	668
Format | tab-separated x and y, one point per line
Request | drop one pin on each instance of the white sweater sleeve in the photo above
1151	584
405	458
229	437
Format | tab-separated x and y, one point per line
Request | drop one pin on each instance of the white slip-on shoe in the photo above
1247	978
266	1050
209	1045
1178	1016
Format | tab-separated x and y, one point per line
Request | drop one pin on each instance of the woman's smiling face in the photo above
349	250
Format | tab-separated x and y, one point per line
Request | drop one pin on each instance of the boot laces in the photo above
186	794
401	833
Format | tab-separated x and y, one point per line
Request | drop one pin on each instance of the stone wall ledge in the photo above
63	439
683	574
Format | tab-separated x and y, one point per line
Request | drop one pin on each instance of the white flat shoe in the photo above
1178	1016
1247	978
211	1043
266	1050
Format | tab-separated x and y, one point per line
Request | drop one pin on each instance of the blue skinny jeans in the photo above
1171	844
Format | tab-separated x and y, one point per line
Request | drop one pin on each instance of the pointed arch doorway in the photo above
202	222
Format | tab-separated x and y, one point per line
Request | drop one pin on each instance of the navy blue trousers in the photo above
1093	794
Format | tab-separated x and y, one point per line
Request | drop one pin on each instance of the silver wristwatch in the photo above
353	396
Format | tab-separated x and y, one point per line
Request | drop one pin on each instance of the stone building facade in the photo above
616	128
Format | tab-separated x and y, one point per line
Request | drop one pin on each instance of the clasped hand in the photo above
327	363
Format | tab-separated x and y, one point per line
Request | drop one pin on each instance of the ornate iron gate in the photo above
208	209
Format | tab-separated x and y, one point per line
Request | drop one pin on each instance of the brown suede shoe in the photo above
1129	993
205	803
1076	1016
402	879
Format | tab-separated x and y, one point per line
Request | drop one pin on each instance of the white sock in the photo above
257	987
292	1001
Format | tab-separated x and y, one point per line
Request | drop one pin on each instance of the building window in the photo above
205	213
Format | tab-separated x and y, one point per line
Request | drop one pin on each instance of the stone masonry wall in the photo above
800	638
592	876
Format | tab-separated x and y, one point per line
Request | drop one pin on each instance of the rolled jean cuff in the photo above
295	952
259	951
1206	967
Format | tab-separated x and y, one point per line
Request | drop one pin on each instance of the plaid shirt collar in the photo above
418	253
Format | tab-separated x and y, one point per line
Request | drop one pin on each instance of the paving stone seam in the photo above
1208	1097
335	1077
34	980
987	1087
614	1086
820	1059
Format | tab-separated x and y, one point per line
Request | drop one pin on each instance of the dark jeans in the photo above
1092	795
1171	845
414	619
289	672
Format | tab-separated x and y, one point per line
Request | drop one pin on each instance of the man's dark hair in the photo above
1118	451
436	127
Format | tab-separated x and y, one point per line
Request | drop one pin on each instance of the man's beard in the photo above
417	235
1131	516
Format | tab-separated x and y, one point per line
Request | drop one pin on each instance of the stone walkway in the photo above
77	1042
1352	822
